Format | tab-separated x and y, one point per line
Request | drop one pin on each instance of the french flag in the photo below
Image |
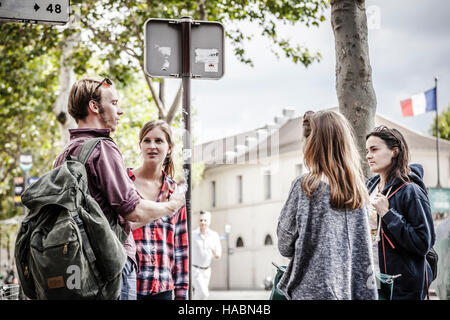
419	103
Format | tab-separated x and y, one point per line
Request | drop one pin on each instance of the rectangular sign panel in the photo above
163	50
35	11
207	50
440	199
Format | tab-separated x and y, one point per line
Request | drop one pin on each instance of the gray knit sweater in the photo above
330	250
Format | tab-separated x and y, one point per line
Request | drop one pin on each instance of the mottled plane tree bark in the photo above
66	79
354	87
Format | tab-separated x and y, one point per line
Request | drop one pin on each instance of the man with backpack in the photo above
94	105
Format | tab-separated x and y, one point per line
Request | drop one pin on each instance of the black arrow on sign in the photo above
36	7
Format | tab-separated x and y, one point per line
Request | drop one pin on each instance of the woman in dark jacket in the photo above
406	232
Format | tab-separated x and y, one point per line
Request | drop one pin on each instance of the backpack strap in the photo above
89	252
87	248
85	152
88	147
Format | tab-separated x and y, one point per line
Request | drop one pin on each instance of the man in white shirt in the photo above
205	246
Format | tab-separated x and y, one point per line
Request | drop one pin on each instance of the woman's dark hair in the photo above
394	139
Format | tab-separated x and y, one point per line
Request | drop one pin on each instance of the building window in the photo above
299	170
268	240
239	243
213	194
239	188
267	185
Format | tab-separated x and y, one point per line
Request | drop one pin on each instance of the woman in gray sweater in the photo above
323	226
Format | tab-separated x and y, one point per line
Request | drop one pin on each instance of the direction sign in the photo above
163	52
35	11
26	161
32	180
18	189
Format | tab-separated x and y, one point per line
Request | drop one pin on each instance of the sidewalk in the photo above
239	295
259	295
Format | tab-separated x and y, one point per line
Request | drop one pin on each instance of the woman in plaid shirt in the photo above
162	246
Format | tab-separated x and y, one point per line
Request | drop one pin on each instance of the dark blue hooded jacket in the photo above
409	226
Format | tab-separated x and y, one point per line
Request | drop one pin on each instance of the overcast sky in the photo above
409	45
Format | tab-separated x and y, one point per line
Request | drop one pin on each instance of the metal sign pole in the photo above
175	49
25	185
25	163
438	185
1	264
186	23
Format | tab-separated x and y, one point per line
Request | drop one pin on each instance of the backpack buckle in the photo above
77	219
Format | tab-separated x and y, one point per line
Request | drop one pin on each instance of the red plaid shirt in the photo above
162	250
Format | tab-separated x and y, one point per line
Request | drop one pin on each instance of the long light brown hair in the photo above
331	151
168	165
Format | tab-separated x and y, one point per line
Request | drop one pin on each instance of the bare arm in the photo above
147	210
217	250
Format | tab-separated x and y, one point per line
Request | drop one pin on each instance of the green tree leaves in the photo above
28	73
112	43
444	125
116	27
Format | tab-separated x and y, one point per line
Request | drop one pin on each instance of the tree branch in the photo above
159	104
202	10
105	39
162	91
138	32
175	104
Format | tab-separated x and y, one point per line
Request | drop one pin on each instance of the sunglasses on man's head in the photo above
105	82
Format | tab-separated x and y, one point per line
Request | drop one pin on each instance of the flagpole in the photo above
437	134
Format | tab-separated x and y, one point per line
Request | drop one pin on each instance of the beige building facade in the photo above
246	182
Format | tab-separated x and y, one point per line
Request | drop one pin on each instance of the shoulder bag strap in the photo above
383	235
88	147
396	190
426	280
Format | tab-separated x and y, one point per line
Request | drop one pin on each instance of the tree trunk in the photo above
66	79
203	15
356	96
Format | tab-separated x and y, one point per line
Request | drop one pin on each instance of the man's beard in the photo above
103	119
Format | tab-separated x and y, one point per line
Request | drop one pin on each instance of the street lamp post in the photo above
25	163
227	232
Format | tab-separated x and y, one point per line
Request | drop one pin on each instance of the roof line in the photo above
412	130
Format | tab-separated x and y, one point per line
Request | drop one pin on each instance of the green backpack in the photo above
66	248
